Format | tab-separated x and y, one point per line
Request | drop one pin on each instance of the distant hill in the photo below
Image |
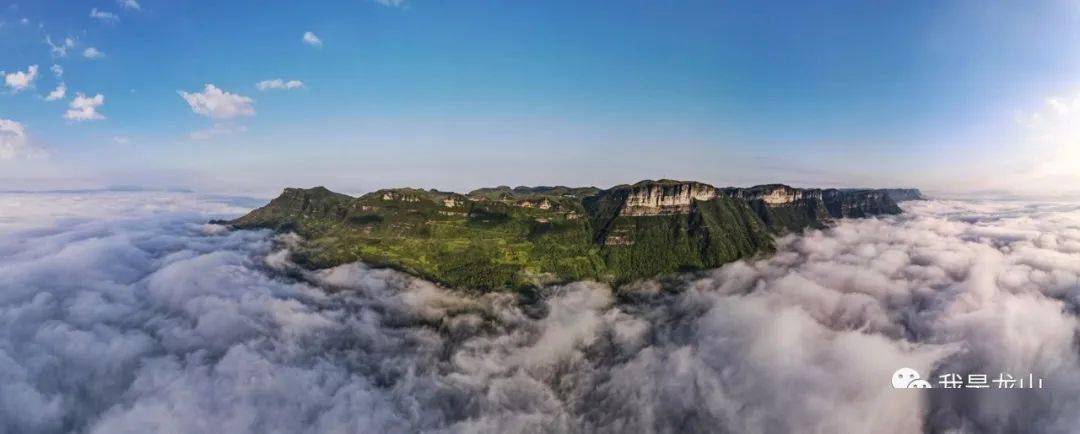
512	238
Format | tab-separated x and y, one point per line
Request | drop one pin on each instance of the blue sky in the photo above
461	94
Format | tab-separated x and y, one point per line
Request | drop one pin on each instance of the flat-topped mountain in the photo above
506	238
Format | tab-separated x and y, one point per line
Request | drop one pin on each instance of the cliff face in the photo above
525	236
859	203
774	194
903	194
785	208
650	198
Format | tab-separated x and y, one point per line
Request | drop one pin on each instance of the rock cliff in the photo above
903	194
649	198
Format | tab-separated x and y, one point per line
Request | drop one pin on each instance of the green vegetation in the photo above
714	232
503	238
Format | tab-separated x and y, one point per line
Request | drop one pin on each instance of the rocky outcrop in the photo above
400	195
296	205
649	198
774	194
454	200
542	203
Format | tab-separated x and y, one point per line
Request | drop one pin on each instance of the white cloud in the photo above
121	140
92	53
391	3
107	17
139	317
218	104
278	83
14	142
58	93
57	70
61	49
129	4
20	80
84	108
312	40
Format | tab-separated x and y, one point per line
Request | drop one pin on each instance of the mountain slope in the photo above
508	238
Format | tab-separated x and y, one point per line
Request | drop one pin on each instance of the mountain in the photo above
903	194
512	238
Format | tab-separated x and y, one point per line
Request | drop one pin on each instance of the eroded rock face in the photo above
799	206
453	201
397	196
665	197
859	203
774	194
535	203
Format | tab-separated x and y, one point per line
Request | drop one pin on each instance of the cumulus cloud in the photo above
105	17
278	83
84	108
215	103
312	40
93	53
57	70
20	80
58	93
14	142
129	4
129	314
60	49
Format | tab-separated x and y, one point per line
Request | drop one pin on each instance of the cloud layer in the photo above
125	313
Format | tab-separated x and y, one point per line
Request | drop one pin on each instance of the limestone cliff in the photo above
649	198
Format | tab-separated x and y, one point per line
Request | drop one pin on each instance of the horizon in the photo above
270	194
182	189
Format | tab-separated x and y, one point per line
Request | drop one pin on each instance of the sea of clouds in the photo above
127	313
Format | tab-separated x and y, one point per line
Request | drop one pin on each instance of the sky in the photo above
956	98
